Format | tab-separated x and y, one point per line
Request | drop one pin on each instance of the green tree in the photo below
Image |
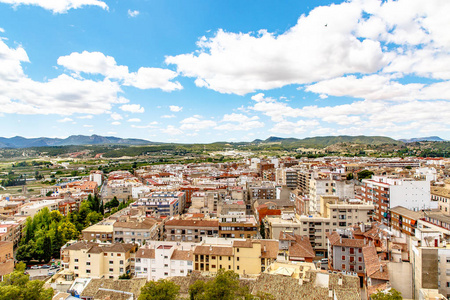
93	217
68	231
365	174
159	290
262	230
125	276
349	176
392	294
197	289
18	286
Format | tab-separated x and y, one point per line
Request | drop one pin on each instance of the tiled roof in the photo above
336	240
243	244
148	223
145	253
440	191
193	223
182	255
301	248
403	211
374	268
213	250
99	248
286	236
271	249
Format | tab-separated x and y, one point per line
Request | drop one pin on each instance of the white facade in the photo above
32	208
160	260
136	190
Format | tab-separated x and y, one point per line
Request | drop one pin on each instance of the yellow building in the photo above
94	260
243	256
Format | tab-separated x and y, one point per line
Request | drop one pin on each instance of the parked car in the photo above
45	267
51	273
34	267
324	261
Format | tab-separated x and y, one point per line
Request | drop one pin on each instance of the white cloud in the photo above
115	116
86	117
196	124
134	120
99	63
298	127
115	123
65	120
168	116
2	30
88	126
239	122
365	37
171	130
133	13
134	108
175	108
111	132
150	125
59	6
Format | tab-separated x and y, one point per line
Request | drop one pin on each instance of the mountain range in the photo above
319	142
21	142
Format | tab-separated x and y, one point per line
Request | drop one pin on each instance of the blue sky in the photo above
205	71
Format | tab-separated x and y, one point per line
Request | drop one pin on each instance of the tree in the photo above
349	176
18	286
262	230
392	294
93	217
125	276
159	290
365	174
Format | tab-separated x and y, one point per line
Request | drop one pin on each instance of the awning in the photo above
413	222
385	214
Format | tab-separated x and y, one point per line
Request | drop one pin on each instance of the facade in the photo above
442	196
162	204
96	260
32	208
404	221
136	231
243	256
190	230
237	225
345	254
97	232
163	259
386	193
6	258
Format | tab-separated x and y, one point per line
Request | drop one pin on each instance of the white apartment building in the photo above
32	208
159	260
328	186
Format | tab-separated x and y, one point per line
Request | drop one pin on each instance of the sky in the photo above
203	71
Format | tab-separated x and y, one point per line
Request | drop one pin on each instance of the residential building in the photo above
97	260
6	258
32	208
442	196
190	230
297	247
243	256
162	204
237	225
99	233
386	192
404	221
160	260
345	254
138	231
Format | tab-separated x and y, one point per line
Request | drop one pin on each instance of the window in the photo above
76	260
121	270
448	284
76	267
89	255
111	262
229	257
237	249
118	254
343	266
238	267
213	257
220	267
229	267
111	270
88	263
343	257
237	258
88	271
121	262
213	266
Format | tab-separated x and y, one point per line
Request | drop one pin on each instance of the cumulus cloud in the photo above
116	116
133	108
134	120
65	120
133	13
403	37
235	121
172	130
175	108
196	124
168	116
86	117
115	123
59	6
99	63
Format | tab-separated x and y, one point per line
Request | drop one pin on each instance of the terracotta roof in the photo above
375	288
193	223
145	253
182	255
336	240
99	248
271	249
243	244
403	211
440	191
301	248
286	236
374	268
147	223
214	250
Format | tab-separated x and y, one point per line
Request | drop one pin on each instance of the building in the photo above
243	256
32	208
404	221
298	247
442	196
99	233
345	254
386	193
162	204
136	231
238	225
160	260
6	258
97	260
190	230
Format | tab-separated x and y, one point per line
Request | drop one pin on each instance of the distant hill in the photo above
423	139
324	141
21	142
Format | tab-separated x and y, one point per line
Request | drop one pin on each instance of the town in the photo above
330	226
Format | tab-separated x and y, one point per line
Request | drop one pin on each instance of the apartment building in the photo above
162	204
386	192
161	260
96	260
6	258
32	208
442	196
136	231
297	247
265	191
329	186
99	232
11	231
345	254
237	225
243	256
190	230
404	221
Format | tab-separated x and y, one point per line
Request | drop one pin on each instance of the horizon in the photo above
202	72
